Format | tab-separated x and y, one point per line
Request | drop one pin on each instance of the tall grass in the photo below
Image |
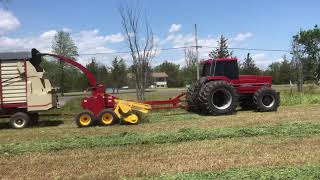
310	95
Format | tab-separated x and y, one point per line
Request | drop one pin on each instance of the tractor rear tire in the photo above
107	117
266	99
192	95
19	120
219	98
85	119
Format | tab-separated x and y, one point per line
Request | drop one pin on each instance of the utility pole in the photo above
197	51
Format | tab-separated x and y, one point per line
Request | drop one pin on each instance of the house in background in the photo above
159	80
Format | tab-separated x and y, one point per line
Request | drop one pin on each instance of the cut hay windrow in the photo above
183	135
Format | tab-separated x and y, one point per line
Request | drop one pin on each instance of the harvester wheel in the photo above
19	120
85	119
266	99
107	117
218	98
193	94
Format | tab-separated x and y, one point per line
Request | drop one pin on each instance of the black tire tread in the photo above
193	94
257	99
204	97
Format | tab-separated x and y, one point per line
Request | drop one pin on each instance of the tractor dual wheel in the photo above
19	120
85	119
107	117
219	98
266	99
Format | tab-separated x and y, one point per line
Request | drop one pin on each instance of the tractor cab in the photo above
227	67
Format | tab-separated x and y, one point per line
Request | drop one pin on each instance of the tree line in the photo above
305	64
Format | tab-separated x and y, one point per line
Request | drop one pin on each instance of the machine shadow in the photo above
47	123
40	124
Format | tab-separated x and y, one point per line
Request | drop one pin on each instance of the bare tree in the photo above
190	70
191	57
140	42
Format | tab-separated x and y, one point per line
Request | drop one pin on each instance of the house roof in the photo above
15	55
159	75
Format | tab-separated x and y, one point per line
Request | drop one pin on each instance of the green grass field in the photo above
171	144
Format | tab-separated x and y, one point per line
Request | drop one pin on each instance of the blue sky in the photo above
95	25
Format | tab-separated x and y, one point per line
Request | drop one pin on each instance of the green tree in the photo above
248	67
118	76
100	71
173	72
103	75
306	54
65	46
274	71
93	67
222	50
285	71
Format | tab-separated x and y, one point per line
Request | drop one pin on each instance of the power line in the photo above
254	49
185	47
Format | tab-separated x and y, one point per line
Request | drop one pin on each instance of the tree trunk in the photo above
300	76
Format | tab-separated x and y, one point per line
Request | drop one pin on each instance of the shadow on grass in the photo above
47	123
40	124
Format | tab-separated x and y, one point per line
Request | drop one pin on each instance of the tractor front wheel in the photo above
266	99
85	119
107	118
219	97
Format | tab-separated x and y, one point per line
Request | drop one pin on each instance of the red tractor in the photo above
221	89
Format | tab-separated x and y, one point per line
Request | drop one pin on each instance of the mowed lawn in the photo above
171	144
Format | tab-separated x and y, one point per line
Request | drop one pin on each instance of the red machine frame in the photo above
99	100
